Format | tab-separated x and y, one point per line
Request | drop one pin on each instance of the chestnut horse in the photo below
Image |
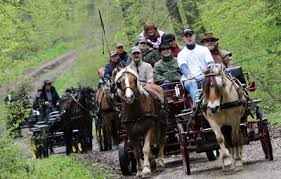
143	115
225	104
108	113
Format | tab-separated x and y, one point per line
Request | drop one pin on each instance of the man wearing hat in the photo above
166	69
171	40
219	56
123	55
144	70
49	97
114	62
148	54
191	60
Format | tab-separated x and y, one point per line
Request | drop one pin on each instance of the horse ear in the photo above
205	71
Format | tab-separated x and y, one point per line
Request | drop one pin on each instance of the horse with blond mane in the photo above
143	115
225	103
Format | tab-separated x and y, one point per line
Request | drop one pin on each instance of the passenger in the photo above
144	70
114	63
219	55
122	54
101	76
152	35
166	70
37	100
50	97
148	54
67	95
192	59
171	39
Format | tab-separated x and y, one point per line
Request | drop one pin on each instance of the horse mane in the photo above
128	70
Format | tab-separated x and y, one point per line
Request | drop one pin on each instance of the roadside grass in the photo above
17	68
274	116
65	167
84	71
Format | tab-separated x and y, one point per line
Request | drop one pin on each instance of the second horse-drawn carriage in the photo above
189	126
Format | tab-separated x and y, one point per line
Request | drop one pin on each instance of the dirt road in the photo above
255	166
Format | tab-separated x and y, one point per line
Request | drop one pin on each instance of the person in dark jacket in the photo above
171	40
122	53
113	63
49	97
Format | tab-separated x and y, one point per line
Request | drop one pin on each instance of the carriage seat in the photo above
238	74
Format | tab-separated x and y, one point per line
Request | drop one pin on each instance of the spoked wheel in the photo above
264	134
100	134
127	162
183	148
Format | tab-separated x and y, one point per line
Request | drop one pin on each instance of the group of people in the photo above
157	58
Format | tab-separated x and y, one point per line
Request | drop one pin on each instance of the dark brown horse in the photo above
225	102
143	116
76	114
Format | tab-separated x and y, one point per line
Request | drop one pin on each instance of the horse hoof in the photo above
227	162
160	164
139	174
238	165
146	172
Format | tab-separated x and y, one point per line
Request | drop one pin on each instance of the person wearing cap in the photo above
49	97
171	40
114	62
192	59
122	53
67	95
166	70
144	70
152	35
148	54
219	55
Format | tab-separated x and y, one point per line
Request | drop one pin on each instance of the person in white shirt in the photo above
191	60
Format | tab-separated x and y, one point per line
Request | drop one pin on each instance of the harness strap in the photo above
226	105
80	104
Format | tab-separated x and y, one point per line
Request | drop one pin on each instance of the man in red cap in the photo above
219	55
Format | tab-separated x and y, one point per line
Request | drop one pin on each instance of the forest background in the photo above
35	31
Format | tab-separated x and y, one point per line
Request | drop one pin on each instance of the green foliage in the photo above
84	70
31	27
250	30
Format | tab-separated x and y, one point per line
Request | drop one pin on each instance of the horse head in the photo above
213	86
128	85
87	98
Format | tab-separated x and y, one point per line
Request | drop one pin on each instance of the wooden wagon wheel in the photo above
264	134
127	161
183	148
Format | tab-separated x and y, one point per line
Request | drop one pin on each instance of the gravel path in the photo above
255	166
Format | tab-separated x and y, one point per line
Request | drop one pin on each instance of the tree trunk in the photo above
174	13
192	16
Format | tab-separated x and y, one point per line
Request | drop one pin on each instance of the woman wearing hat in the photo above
219	55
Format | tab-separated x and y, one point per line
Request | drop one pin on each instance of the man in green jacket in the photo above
166	70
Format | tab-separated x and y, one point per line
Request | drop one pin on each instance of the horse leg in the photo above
138	154
68	140
226	158
146	153
237	148
160	161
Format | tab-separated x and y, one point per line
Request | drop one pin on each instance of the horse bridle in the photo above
79	104
127	87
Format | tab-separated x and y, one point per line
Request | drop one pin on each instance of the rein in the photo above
79	104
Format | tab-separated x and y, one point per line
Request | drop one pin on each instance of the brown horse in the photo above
225	102
76	114
143	116
108	115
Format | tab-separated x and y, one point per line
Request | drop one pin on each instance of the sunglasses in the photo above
209	40
142	42
165	49
188	35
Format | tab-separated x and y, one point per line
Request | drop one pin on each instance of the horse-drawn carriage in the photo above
71	126
189	127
